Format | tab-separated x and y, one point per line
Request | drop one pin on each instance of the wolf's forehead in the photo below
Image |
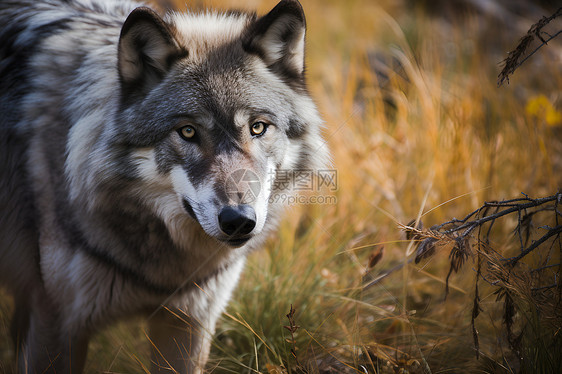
244	86
200	33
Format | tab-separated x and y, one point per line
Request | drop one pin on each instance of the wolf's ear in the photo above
147	49
278	38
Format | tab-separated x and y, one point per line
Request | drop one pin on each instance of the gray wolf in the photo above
121	130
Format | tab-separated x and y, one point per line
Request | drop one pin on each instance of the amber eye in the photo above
258	128
187	132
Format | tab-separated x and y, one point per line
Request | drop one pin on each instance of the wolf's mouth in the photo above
237	242
189	209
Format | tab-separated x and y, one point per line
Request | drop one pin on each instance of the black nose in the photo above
237	220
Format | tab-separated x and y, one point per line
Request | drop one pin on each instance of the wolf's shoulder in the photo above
117	7
26	20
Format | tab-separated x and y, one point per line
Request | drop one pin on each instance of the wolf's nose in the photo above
237	220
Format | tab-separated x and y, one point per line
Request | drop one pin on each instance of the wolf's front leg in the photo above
181	333
178	341
47	346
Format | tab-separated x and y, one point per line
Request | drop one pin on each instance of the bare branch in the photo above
512	279
550	233
516	57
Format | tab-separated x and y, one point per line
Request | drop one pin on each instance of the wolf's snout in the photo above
238	220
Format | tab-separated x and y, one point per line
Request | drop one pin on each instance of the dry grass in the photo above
414	120
417	128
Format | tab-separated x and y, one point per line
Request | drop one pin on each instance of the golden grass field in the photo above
417	127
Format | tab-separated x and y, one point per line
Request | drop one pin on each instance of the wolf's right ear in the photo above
147	49
278	38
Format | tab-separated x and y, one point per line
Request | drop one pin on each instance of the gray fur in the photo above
106	210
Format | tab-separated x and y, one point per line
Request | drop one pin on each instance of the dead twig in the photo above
513	282
293	327
518	56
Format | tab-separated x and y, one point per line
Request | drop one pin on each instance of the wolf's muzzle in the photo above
237	221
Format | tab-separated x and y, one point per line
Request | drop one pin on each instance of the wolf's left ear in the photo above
147	49
278	38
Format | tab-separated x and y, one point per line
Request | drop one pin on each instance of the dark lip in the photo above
237	242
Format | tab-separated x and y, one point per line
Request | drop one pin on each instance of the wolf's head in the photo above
213	106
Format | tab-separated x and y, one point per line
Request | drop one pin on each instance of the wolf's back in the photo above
43	49
19	253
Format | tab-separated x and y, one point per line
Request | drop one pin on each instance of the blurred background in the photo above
418	129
